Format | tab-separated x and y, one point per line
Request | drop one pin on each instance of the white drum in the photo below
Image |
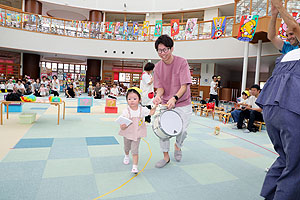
167	124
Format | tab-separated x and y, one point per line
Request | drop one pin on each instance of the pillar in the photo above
96	16
257	71
33	6
31	65
245	66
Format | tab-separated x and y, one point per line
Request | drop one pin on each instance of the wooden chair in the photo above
206	111
257	123
219	111
199	108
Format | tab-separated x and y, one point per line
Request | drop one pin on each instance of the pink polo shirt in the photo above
171	77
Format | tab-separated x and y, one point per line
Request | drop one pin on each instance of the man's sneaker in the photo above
247	131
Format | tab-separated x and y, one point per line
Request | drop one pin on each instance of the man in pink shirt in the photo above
172	78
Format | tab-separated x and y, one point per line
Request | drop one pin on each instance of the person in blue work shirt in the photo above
279	100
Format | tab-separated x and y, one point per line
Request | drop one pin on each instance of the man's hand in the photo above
123	126
171	103
274	10
157	100
276	3
248	108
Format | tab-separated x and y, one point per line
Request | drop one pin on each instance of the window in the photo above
114	17
60	66
54	66
71	68
140	18
48	65
167	17
66	67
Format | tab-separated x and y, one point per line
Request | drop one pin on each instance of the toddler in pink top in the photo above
137	129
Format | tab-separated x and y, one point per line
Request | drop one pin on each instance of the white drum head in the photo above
171	122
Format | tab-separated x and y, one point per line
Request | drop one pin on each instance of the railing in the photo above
88	29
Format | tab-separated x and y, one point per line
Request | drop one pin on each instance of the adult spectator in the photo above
70	91
213	93
97	91
251	111
19	87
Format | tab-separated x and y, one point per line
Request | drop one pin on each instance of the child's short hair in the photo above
131	90
149	66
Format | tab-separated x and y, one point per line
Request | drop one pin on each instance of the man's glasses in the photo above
164	50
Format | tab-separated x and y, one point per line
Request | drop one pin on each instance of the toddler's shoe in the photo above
126	160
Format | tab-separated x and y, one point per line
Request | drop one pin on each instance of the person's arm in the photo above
152	111
257	109
151	81
67	92
159	93
180	93
288	19
272	33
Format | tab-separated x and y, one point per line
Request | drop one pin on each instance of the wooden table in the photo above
58	104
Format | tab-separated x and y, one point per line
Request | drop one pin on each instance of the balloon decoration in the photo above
55	99
28	98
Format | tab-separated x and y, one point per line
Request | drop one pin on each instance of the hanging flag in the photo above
33	18
117	27
26	17
190	27
135	28
145	28
18	18
108	27
218	27
247	27
283	27
174	27
102	27
125	28
8	17
158	28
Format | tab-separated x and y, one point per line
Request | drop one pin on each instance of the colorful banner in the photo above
33	18
247	27
1	18
125	28
25	17
102	27
18	18
135	28
8	17
145	28
283	27
117	27
190	27
174	27
158	28
218	27
108	27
